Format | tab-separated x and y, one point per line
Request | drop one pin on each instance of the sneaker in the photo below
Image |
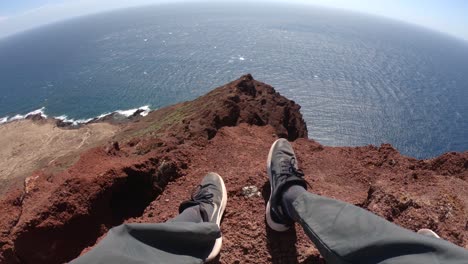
283	172
211	196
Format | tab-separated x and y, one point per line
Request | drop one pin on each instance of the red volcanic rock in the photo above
241	101
144	172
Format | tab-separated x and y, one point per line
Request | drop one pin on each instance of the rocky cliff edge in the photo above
142	172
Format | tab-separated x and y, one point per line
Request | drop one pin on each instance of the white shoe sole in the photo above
219	241
428	232
272	224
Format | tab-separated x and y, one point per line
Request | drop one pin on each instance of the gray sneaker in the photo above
283	172
211	196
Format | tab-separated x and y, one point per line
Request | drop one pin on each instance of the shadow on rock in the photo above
281	245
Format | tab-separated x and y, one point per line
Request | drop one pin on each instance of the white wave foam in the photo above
74	122
3	119
104	115
127	113
146	109
39	111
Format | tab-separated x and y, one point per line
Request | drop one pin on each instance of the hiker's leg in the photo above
190	214
154	243
191	237
345	233
342	232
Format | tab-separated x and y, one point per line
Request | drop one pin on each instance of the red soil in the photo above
160	158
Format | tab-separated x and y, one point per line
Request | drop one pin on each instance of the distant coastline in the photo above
64	120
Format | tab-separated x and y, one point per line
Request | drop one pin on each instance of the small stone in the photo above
250	191
112	147
30	183
167	200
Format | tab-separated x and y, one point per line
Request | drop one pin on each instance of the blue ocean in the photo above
359	79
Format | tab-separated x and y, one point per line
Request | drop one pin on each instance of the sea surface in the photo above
359	79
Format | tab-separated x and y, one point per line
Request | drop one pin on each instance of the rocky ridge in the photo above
146	170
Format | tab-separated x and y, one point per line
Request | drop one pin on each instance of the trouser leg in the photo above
191	214
172	242
344	233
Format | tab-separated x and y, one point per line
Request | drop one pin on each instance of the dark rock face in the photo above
35	117
261	105
144	172
242	101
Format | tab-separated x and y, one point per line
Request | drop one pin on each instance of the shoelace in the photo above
201	195
288	168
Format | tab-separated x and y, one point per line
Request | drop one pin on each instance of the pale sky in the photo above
448	16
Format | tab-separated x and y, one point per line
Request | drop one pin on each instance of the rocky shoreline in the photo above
142	170
112	118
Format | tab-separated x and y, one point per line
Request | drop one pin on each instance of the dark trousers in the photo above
345	233
342	232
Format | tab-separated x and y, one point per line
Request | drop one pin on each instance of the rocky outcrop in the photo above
146	170
242	101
